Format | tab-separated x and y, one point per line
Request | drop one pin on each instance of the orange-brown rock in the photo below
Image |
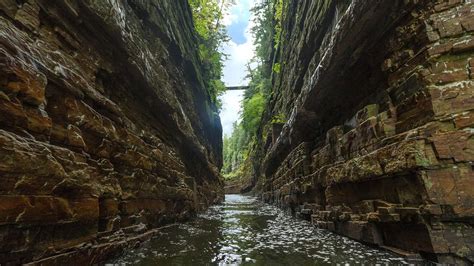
379	135
106	128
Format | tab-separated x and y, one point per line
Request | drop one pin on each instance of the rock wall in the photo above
106	129
378	143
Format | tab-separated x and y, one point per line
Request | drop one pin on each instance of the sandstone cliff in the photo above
378	139
106	129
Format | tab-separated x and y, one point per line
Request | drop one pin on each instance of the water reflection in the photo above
245	231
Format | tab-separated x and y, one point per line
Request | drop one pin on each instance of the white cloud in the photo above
235	68
230	110
233	15
229	18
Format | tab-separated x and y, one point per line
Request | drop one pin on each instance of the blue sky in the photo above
239	16
237	30
240	50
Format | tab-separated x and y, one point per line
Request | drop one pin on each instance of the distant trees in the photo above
233	150
267	31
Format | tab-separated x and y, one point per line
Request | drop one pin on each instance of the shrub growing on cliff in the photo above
252	112
207	16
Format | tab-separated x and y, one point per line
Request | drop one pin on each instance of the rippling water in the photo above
245	231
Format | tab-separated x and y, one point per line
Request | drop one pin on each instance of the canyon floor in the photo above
243	230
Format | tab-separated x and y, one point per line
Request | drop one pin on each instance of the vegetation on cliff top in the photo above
237	147
208	16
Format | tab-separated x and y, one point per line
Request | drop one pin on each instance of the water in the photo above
244	231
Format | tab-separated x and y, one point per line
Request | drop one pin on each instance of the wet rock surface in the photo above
105	125
107	132
245	231
378	139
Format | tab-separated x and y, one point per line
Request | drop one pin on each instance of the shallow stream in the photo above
245	231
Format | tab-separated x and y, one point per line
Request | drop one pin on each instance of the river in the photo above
244	231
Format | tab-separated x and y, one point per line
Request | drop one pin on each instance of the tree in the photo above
207	17
237	147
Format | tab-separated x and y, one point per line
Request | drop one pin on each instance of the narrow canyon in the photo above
359	119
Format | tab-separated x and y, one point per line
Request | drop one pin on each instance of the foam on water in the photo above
245	231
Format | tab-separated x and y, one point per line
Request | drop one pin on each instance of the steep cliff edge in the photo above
106	129
377	141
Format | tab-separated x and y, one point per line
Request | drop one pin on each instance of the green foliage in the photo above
207	17
233	175
268	14
263	30
277	68
252	112
238	146
278	21
234	146
278	119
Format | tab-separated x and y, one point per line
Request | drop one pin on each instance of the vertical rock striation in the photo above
106	129
378	144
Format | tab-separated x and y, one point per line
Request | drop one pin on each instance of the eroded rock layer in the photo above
106	129
378	144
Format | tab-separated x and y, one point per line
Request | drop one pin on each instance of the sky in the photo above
240	50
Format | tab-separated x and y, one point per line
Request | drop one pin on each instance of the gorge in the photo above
358	119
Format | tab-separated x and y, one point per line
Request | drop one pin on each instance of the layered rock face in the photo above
378	144
106	129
